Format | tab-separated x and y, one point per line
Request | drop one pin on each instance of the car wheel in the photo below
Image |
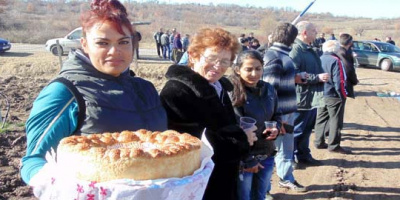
386	65
54	50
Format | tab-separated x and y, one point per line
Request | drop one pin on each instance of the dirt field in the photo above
371	131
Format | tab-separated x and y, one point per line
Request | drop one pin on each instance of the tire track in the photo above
376	112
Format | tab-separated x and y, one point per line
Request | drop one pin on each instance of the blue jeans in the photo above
303	124
166	52
171	46
255	186
284	156
285	148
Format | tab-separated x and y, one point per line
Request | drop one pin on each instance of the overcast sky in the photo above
352	8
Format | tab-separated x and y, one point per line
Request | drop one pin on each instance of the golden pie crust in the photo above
138	155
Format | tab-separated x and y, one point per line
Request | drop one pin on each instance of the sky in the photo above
352	8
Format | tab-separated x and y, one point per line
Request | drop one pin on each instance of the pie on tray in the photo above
138	155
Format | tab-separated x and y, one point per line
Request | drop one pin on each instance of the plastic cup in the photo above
247	122
269	125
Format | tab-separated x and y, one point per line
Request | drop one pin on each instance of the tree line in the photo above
46	19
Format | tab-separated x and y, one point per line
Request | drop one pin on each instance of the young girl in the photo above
255	98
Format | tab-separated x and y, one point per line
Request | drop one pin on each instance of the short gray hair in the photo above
303	26
331	46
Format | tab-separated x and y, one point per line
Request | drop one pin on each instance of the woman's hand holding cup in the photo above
248	125
270	132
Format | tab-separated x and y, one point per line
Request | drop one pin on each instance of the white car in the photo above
67	43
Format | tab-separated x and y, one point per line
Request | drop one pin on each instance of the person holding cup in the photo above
196	100
252	97
279	71
248	123
309	93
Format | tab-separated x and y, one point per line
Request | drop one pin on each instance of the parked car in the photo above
5	45
72	40
377	54
67	43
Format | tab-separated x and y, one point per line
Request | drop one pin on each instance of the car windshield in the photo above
388	48
75	35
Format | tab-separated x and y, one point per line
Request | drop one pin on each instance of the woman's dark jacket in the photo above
262	105
113	103
193	105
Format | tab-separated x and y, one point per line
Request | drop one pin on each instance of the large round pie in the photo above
138	155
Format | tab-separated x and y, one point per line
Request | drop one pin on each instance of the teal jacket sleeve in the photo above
54	116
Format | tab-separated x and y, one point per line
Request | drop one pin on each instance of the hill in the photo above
35	21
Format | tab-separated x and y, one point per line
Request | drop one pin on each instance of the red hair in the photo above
218	38
106	11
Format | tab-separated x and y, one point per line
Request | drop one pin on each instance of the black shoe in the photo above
321	146
310	162
340	150
297	166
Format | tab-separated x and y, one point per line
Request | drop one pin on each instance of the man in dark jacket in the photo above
157	37
309	93
346	55
317	44
279	71
331	114
389	40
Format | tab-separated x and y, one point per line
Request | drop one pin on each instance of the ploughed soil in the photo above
371	131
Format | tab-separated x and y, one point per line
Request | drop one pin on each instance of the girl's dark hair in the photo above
106	10
239	96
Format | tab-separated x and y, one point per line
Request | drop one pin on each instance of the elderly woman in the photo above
94	91
330	116
196	101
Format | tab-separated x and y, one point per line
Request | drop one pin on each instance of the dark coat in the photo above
309	95
347	58
192	105
330	64
113	103
262	105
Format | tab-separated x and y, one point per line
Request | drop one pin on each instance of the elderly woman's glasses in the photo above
214	60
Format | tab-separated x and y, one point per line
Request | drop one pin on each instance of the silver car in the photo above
70	41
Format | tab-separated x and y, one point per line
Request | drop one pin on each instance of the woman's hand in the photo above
251	135
283	130
271	133
254	169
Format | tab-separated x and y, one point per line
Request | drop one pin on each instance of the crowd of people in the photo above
312	77
170	44
298	81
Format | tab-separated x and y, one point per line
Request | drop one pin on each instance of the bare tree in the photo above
268	24
327	30
359	30
3	4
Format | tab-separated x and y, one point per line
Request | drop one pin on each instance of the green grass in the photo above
11	126
5	128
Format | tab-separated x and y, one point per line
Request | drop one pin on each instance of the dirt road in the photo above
371	131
